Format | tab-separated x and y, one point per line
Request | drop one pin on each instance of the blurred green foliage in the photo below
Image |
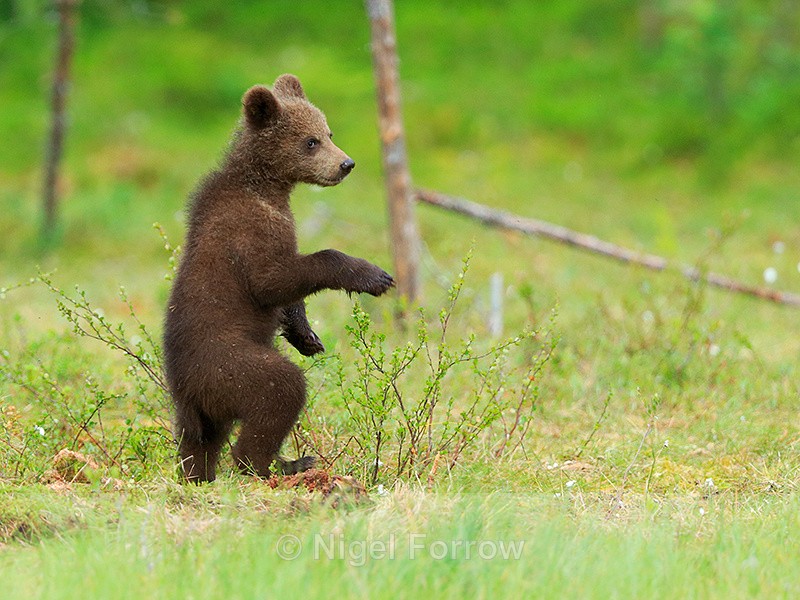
651	123
708	78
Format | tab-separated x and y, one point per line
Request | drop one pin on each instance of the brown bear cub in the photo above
241	281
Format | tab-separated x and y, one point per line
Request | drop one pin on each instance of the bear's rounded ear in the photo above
289	86
260	107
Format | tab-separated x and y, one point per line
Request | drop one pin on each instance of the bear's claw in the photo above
290	467
381	284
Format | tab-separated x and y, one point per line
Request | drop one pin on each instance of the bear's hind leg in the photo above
200	441
277	393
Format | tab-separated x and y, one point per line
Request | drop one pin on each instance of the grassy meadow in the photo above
630	434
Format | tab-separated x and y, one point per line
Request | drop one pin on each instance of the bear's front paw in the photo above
380	284
375	282
307	342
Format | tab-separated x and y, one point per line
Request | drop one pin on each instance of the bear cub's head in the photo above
289	138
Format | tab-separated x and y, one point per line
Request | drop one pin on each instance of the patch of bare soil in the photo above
337	487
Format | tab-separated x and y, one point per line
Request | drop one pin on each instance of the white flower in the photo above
39	429
702	511
382	491
570	483
778	247
770	275
713	349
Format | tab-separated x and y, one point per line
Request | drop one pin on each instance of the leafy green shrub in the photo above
416	407
120	425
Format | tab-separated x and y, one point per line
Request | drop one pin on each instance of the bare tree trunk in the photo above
403	226
66	40
506	220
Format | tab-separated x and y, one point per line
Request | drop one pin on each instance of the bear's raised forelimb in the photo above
289	280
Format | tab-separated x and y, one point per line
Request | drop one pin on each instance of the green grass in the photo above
662	454
238	542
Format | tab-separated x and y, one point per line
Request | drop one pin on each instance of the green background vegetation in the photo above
662	458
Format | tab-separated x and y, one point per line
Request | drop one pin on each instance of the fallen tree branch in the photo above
590	243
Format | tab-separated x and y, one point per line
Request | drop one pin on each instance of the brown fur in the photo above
241	280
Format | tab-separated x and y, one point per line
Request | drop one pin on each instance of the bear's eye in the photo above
312	143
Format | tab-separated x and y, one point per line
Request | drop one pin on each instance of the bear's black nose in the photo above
347	165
